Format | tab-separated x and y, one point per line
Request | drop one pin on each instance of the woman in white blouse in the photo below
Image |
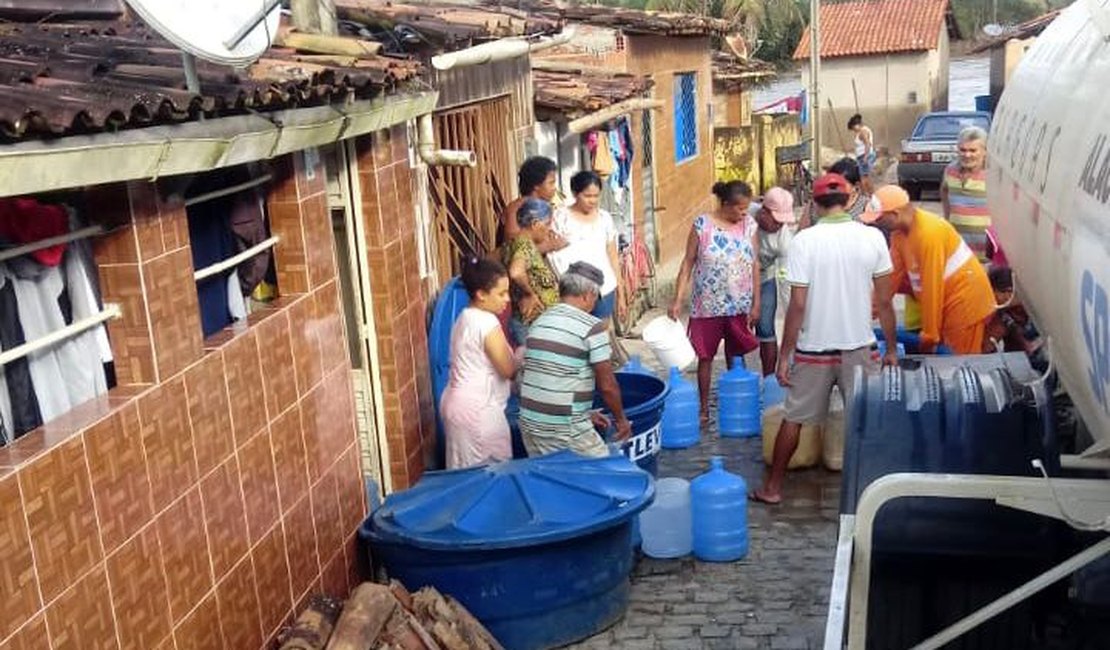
591	237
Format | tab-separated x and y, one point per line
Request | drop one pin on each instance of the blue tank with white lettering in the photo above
643	398
738	409
719	506
681	426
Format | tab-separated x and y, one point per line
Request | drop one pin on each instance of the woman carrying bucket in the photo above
722	252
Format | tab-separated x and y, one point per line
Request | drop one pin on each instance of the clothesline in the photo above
110	311
25	249
234	189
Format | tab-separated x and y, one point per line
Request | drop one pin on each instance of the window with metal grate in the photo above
685	116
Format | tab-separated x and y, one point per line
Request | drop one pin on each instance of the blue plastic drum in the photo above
643	397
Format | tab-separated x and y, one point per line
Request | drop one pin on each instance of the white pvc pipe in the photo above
499	50
69	331
426	147
234	260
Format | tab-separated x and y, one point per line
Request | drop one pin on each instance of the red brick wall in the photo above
684	189
203	500
386	185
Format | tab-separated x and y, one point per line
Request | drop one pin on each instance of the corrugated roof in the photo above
573	91
633	21
866	27
92	77
444	26
1028	29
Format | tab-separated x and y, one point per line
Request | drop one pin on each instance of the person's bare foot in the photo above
763	496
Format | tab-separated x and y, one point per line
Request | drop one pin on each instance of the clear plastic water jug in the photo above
720	514
738	410
666	526
636	365
681	425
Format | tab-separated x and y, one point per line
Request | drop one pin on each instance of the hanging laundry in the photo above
248	223
70	372
212	242
25	220
19	408
604	164
625	130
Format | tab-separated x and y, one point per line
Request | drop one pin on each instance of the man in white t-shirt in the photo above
832	268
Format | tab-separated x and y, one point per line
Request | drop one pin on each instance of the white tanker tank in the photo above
1049	193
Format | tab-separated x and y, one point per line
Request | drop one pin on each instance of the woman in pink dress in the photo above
482	366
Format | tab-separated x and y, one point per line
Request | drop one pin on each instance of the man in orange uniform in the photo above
947	280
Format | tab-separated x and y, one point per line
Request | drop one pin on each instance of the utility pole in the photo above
814	73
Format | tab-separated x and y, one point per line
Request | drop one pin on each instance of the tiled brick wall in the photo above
385	181
202	501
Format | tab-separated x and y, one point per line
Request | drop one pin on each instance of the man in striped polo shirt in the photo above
567	357
963	192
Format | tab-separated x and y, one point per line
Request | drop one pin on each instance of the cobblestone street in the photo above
774	599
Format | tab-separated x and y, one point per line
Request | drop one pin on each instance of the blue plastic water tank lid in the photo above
513	503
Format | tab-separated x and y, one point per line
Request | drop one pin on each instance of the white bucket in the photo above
667	339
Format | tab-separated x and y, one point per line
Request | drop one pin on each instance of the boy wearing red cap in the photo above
947	279
832	268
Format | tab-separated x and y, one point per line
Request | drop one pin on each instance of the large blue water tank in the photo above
719	503
539	550
681	425
738	409
965	415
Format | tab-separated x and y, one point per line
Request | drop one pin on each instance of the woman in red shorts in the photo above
721	254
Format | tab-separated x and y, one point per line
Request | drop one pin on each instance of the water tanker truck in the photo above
973	515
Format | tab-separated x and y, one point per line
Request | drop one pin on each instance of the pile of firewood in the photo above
380	617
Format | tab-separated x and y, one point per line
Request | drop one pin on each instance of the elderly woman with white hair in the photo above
963	192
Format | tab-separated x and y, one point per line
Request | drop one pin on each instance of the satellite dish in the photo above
993	30
229	32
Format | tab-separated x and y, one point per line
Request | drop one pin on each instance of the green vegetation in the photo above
773	27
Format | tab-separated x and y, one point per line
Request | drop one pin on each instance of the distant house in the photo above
674	144
1007	48
885	59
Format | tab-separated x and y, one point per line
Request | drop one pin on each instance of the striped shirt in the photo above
967	206
557	391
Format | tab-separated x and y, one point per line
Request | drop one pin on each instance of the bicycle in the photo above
795	157
638	279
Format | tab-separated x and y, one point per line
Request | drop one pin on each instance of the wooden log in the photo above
313	627
367	611
323	44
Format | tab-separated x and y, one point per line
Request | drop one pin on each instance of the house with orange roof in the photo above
884	59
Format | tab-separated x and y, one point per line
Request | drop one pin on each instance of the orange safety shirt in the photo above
947	280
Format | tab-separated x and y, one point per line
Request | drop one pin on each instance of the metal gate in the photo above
467	202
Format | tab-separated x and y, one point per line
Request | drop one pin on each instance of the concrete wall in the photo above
893	91
683	188
202	501
1003	61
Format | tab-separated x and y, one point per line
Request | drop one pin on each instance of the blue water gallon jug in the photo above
681	424
773	393
719	507
635	365
738	411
